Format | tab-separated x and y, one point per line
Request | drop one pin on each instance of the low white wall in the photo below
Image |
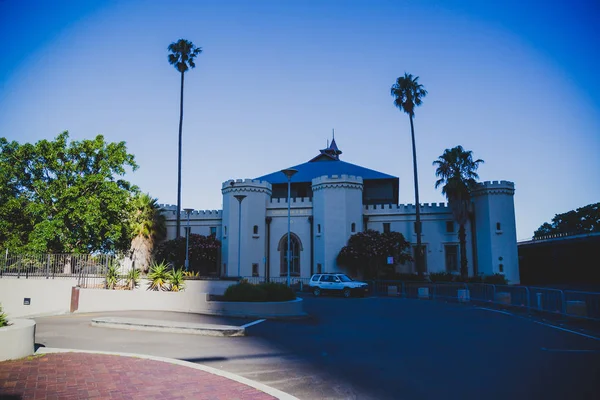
17	340
48	296
256	309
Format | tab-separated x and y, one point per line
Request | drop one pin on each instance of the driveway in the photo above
372	348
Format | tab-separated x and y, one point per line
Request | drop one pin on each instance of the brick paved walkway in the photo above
99	376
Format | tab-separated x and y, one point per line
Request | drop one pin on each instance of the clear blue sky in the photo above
515	81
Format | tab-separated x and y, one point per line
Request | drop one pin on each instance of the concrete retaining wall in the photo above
47	296
17	340
50	297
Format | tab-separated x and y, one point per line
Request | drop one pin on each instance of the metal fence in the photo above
52	266
563	302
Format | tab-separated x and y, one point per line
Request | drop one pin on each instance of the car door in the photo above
325	283
336	283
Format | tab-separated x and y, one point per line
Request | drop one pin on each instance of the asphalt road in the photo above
372	348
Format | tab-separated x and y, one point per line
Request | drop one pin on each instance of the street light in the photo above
239	198
288	173
187	238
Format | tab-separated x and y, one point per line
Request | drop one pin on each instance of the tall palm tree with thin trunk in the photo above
456	171
181	57
408	93
148	226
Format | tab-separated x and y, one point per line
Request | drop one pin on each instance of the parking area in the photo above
373	348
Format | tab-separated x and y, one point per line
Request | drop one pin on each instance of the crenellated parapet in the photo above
246	185
406	209
494	187
295	202
170	211
337	181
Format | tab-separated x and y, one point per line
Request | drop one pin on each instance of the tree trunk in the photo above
462	237
419	252
178	233
141	253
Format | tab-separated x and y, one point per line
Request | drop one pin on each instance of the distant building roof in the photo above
326	163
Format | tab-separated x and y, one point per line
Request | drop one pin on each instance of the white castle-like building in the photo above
331	200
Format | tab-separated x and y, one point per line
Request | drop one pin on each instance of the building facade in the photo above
331	200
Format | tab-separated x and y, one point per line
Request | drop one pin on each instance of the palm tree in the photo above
408	93
456	171
148	227
182	57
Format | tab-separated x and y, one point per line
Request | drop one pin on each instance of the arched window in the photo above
295	249
353	227
318	228
255	230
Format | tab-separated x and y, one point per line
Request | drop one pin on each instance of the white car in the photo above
337	283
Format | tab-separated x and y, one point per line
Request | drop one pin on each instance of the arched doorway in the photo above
295	249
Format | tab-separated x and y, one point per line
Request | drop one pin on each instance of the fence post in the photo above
48	267
403	288
493	293
563	303
434	290
528	300
18	266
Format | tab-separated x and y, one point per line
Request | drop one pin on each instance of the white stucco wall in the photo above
337	204
494	203
48	296
253	212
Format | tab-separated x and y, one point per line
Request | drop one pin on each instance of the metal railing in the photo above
563	302
53	266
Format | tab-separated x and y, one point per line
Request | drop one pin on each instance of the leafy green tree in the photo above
148	226
65	196
456	171
408	93
367	252
183	53
582	220
203	253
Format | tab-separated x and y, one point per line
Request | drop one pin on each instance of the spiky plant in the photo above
159	276
112	276
133	278
176	280
3	318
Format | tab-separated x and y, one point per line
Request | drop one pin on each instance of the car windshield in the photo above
344	278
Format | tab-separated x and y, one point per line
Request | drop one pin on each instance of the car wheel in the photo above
347	292
317	292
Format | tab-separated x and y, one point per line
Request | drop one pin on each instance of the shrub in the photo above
398	276
159	276
176	281
133	278
497	279
3	318
278	291
442	277
112	276
245	291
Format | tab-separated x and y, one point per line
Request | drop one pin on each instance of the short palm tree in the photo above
148	225
456	171
408	93
181	57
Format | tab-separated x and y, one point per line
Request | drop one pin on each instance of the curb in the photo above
248	382
141	324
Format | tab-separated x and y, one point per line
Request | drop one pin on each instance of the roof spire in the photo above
333	133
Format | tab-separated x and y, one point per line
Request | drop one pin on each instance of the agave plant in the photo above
133	278
112	276
160	276
176	280
191	274
3	318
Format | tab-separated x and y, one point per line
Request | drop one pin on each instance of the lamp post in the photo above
239	198
288	173
187	238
